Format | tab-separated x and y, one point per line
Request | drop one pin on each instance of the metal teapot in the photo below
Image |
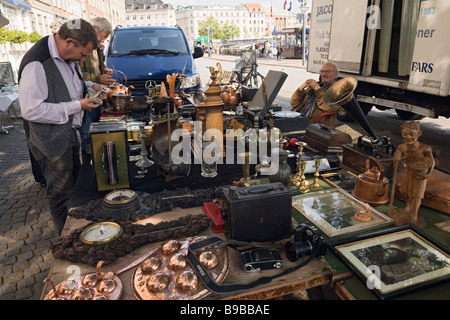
230	97
118	89
372	186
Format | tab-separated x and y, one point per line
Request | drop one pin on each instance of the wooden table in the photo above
314	274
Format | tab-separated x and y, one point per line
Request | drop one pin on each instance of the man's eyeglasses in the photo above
103	36
326	71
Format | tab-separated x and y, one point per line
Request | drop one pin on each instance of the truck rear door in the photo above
347	21
431	57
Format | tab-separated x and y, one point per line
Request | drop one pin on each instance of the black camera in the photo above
307	240
261	259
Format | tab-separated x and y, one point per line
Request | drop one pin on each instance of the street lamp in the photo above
304	11
207	43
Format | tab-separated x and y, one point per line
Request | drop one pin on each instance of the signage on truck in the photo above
429	70
319	43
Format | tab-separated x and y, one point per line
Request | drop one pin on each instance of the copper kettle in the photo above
230	97
372	186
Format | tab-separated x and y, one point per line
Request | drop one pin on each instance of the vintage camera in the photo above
261	259
307	240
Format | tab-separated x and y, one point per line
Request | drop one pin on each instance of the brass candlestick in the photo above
316	186
246	180
297	178
304	185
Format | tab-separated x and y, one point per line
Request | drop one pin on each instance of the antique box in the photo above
256	213
354	160
110	154
324	138
437	192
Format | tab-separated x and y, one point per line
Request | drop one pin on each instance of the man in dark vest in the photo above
53	98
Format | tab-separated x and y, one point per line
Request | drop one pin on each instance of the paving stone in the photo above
26	229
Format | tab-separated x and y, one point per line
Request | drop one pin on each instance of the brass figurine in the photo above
216	73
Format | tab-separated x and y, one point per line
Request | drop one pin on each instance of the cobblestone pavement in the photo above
26	228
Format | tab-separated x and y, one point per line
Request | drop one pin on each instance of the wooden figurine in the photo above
419	163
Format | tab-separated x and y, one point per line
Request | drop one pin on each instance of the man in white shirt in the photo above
53	98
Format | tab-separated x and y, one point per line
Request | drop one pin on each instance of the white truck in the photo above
398	50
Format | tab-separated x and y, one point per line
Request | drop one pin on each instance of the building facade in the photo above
189	17
149	13
252	19
45	17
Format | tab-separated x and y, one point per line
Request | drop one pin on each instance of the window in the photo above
126	41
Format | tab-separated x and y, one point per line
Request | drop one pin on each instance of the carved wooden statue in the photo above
419	163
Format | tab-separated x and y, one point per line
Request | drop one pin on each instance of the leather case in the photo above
256	213
324	138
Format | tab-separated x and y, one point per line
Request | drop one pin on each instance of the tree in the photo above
230	31
34	37
214	28
18	36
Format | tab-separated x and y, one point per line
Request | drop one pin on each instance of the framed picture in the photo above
334	212
397	261
341	179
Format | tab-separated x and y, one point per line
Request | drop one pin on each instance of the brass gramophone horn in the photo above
342	93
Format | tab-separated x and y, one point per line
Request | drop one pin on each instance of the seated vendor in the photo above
308	98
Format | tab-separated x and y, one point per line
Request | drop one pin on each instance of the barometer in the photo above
120	197
101	232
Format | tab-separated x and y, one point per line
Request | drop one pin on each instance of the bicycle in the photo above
246	73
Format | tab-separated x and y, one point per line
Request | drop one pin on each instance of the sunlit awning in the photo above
19	4
275	32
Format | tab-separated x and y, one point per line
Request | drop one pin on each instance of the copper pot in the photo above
113	89
230	97
372	186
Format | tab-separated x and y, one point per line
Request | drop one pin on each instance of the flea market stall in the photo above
145	225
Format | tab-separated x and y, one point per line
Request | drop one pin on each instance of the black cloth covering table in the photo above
86	186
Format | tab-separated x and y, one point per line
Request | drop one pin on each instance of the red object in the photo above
292	142
324	115
214	213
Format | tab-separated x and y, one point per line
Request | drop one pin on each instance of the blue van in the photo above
151	53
